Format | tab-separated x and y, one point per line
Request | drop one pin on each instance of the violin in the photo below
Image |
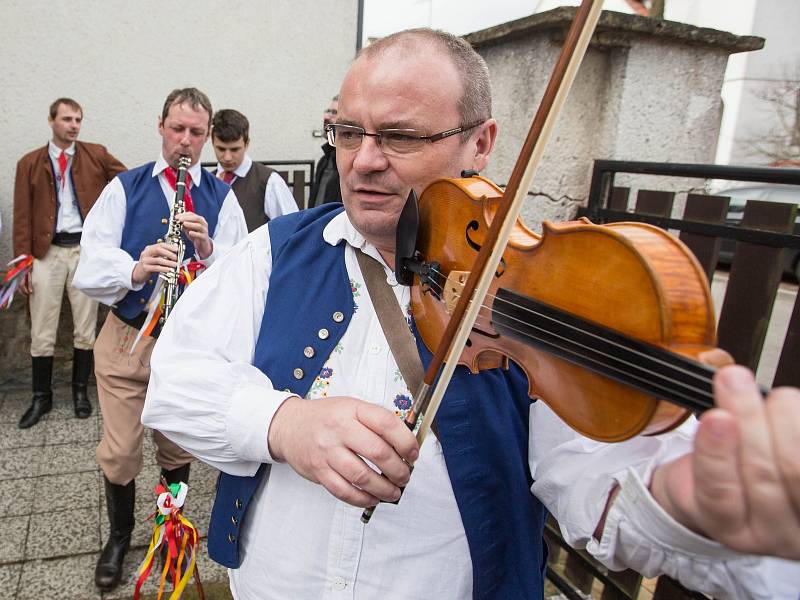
604	320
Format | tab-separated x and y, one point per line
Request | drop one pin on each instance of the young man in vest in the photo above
54	190
293	394
262	192
121	259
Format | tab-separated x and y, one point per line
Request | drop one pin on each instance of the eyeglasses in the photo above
391	141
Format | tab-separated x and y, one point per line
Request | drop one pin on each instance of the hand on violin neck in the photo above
328	441
741	484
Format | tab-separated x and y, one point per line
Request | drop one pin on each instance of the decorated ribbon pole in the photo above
178	536
17	270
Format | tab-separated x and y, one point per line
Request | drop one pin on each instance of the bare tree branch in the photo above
781	101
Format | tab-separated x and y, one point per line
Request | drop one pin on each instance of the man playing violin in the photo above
290	389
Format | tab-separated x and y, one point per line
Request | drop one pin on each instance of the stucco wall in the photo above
279	62
645	91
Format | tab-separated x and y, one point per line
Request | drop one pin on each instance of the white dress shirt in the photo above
278	199
300	542
68	218
105	269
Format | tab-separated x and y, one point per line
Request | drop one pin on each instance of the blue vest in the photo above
145	211
482	422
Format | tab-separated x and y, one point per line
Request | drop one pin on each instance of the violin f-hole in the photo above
474	226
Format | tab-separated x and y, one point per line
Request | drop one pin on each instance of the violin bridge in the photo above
456	280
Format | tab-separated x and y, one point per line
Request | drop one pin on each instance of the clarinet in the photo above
174	231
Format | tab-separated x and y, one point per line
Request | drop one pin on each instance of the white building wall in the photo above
778	21
278	62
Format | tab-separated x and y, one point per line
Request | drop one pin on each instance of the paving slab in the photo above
16	463
202	477
13	535
70	578
18	396
53	518
71	431
68	458
9	579
16	496
11	436
63	533
73	491
11	410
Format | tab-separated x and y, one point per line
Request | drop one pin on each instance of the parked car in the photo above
772	193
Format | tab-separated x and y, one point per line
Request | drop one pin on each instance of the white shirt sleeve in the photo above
204	392
573	476
278	199
104	269
231	228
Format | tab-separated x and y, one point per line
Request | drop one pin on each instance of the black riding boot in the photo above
81	369
42	367
181	474
177	475
120	500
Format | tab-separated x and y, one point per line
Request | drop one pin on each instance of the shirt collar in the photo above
55	151
195	170
341	229
242	170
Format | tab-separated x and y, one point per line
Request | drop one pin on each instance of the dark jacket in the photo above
35	192
326	179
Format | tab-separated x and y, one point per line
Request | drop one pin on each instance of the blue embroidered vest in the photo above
145	211
482	422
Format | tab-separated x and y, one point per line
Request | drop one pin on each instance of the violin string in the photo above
641	373
606	364
702	379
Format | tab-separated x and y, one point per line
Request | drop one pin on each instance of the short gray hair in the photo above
475	104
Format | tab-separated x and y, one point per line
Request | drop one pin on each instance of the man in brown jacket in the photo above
54	189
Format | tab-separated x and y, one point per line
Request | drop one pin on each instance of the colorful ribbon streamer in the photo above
17	270
155	305
174	532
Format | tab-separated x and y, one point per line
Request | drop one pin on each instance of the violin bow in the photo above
429	396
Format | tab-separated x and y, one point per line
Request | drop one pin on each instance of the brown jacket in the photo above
35	192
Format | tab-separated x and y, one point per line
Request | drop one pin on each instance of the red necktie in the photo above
172	179
227	176
62	168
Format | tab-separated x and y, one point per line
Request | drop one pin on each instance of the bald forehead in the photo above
414	59
407	45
